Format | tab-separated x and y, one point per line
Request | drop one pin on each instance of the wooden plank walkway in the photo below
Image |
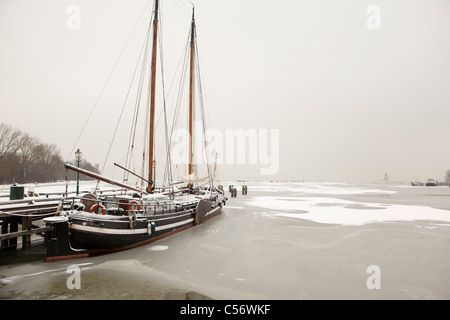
24	212
28	212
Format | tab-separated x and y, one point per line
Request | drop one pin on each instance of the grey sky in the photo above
350	103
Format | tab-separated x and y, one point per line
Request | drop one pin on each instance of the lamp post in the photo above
78	155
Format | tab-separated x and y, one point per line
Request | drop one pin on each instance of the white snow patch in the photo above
158	248
338	211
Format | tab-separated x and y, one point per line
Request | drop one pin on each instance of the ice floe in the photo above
339	211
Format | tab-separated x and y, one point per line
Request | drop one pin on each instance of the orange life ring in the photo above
130	206
95	206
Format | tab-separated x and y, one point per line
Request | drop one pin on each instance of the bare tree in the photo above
46	156
8	139
8	148
26	146
447	178
24	158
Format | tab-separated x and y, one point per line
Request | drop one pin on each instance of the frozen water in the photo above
338	211
281	241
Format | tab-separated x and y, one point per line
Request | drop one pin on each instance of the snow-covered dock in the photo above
29	213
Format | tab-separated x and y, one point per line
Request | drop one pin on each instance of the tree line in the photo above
24	159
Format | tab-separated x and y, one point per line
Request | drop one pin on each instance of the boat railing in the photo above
123	206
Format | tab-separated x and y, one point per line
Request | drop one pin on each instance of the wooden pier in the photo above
28	213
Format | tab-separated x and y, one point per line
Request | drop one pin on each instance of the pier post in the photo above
26	226
4	243
13	227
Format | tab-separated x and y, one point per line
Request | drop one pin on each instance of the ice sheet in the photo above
339	211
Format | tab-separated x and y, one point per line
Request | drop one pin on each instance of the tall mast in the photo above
191	91
152	97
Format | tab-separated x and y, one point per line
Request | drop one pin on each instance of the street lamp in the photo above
78	155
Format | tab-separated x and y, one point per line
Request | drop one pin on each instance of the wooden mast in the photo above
191	92
152	97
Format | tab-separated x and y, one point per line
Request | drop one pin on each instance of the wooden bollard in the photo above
27	225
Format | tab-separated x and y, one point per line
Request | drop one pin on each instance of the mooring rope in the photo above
106	83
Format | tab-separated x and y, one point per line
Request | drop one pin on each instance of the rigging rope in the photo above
168	160
107	81
202	108
181	95
123	108
132	138
179	99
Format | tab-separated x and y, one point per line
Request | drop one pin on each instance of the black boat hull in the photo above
97	234
121	235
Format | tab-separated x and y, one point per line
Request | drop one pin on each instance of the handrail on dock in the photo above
25	212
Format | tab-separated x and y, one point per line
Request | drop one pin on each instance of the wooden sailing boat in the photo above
100	224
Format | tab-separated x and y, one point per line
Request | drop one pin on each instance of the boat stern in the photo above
57	242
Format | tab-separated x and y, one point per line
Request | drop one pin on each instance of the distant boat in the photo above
96	223
431	183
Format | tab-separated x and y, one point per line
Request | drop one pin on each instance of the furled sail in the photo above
192	178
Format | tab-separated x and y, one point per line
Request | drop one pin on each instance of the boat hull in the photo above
206	210
102	236
95	234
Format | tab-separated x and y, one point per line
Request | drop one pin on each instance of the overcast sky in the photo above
354	93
